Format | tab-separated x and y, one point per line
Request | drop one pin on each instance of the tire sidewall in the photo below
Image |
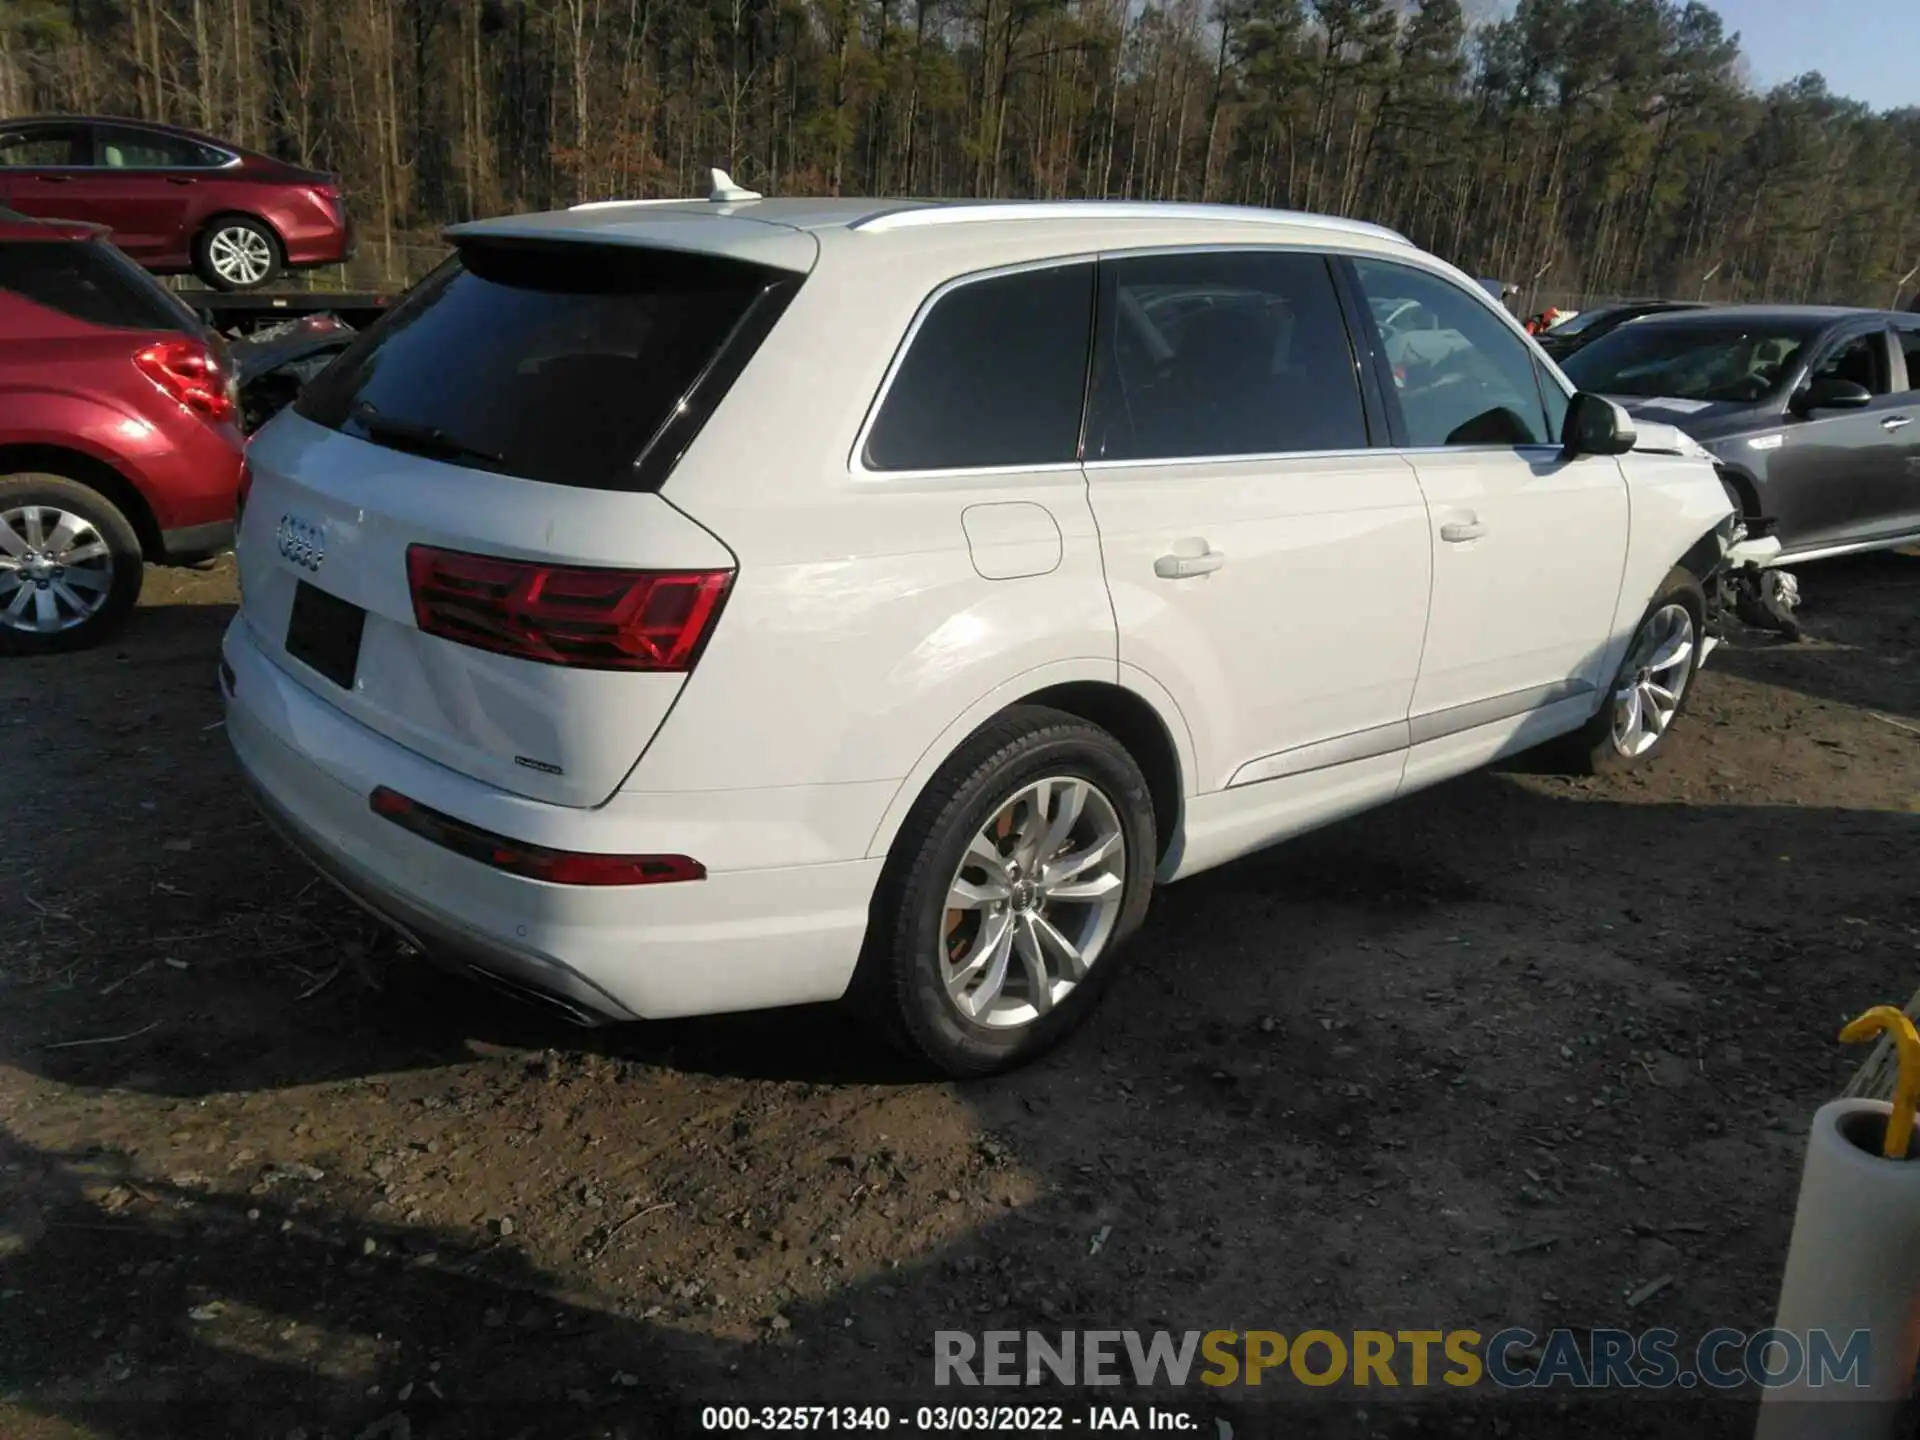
122	543
203	253
961	1046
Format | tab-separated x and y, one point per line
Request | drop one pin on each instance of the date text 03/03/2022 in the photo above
948	1419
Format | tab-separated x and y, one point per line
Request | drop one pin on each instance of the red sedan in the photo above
176	201
118	441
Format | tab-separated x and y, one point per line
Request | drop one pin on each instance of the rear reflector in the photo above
533	862
566	615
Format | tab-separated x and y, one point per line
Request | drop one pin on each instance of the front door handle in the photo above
1457	532
179	180
1185	567
53	179
1896	422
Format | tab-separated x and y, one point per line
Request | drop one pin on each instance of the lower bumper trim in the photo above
543	982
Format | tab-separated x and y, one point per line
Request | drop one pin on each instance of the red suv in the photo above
176	201
118	441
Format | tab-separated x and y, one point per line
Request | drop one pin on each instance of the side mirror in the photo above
1597	426
1830	394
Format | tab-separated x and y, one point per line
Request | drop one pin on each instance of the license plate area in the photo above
323	633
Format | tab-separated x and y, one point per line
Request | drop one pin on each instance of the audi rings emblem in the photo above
302	541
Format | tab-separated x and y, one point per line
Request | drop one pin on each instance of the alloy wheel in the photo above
56	571
240	255
1654	679
1034	902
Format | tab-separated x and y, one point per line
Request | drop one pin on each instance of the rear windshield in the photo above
562	363
92	282
1724	360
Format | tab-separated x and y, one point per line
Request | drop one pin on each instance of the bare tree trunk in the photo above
203	65
1214	104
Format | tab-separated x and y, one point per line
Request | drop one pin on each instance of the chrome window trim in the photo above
1275	457
133	127
857	467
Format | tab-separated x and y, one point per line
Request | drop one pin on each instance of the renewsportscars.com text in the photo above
1514	1358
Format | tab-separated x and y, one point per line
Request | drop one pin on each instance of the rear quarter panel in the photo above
307	230
860	633
81	393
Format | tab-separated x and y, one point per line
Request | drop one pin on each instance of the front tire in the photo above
1010	894
236	253
70	565
1651	689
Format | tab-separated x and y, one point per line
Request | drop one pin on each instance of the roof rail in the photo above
629	204
965	213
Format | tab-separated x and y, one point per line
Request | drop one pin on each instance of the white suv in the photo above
700	606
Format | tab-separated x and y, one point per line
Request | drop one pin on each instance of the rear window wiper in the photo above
428	440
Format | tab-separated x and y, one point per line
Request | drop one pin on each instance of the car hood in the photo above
1705	420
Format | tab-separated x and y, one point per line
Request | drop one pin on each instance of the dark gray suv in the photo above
1813	412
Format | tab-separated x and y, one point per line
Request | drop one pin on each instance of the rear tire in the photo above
236	252
1006	828
1635	715
71	567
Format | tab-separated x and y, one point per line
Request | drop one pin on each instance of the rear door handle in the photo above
1896	422
53	179
1185	567
1457	532
179	180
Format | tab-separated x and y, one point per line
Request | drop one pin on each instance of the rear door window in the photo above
124	148
90	281
1214	354
563	363
994	375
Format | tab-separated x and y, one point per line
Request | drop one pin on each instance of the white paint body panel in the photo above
1260	654
876	621
1530	601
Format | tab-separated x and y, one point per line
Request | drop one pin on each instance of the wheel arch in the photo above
1744	489
1128	705
231	212
95	474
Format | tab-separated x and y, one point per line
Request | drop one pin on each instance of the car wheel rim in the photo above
56	571
1652	681
1033	902
240	255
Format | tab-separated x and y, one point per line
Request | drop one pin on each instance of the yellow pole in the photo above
1887	1020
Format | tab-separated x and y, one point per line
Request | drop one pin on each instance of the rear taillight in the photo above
592	619
532	862
188	372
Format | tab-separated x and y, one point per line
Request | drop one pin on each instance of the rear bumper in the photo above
738	940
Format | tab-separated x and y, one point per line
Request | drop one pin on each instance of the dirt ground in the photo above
1501	1054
